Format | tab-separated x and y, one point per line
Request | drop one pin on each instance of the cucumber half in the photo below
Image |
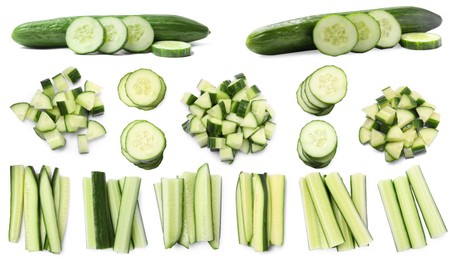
85	35
420	41
335	35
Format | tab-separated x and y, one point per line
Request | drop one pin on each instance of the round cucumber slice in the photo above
368	31
116	34
318	139
85	35
171	49
144	141
335	35
140	34
143	87
328	84
389	28
420	41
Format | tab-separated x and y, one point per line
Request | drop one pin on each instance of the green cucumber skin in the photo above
296	34
51	33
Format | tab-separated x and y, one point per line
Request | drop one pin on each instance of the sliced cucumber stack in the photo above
171	49
190	208
401	122
57	109
143	144
229	118
42	200
142	89
420	41
317	144
260	200
321	90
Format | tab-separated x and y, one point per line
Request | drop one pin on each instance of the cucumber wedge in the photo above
420	41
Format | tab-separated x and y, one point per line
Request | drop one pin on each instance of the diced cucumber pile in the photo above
111	34
142	89
190	208
260	210
398	197
112	213
42	201
229	118
336	34
56	109
333	217
317	144
401	122
143	144
321	90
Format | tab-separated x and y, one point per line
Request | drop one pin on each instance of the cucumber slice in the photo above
318	139
328	84
140	34
335	35
368	31
144	87
85	35
116	34
420	41
389	28
171	49
121	89
144	141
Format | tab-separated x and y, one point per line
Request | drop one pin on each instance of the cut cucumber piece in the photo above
335	35
216	204
31	211
116	34
140	34
239	215
144	88
85	35
20	110
95	130
276	190
409	212
17	174
90	234
82	142
72	74
86	99
144	141
104	233
171	49
172	213
245	180
129	196
429	210
260	212
328	84
389	27
428	135
368	31
318	139
203	205
394	215
189	211
420	41
47	205
358	191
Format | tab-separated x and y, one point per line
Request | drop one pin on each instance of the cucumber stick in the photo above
216	201
246	199
90	237
104	233
31	211
49	214
394	215
172	214
127	209
239	216
429	210
17	175
260	213
203	205
189	217
276	194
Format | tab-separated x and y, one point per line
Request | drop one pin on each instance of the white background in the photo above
220	56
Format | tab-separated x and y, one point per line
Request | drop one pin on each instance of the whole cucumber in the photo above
296	34
51	33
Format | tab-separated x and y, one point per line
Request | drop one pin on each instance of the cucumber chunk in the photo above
85	35
389	28
368	31
335	35
171	49
420	41
116	34
140	34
